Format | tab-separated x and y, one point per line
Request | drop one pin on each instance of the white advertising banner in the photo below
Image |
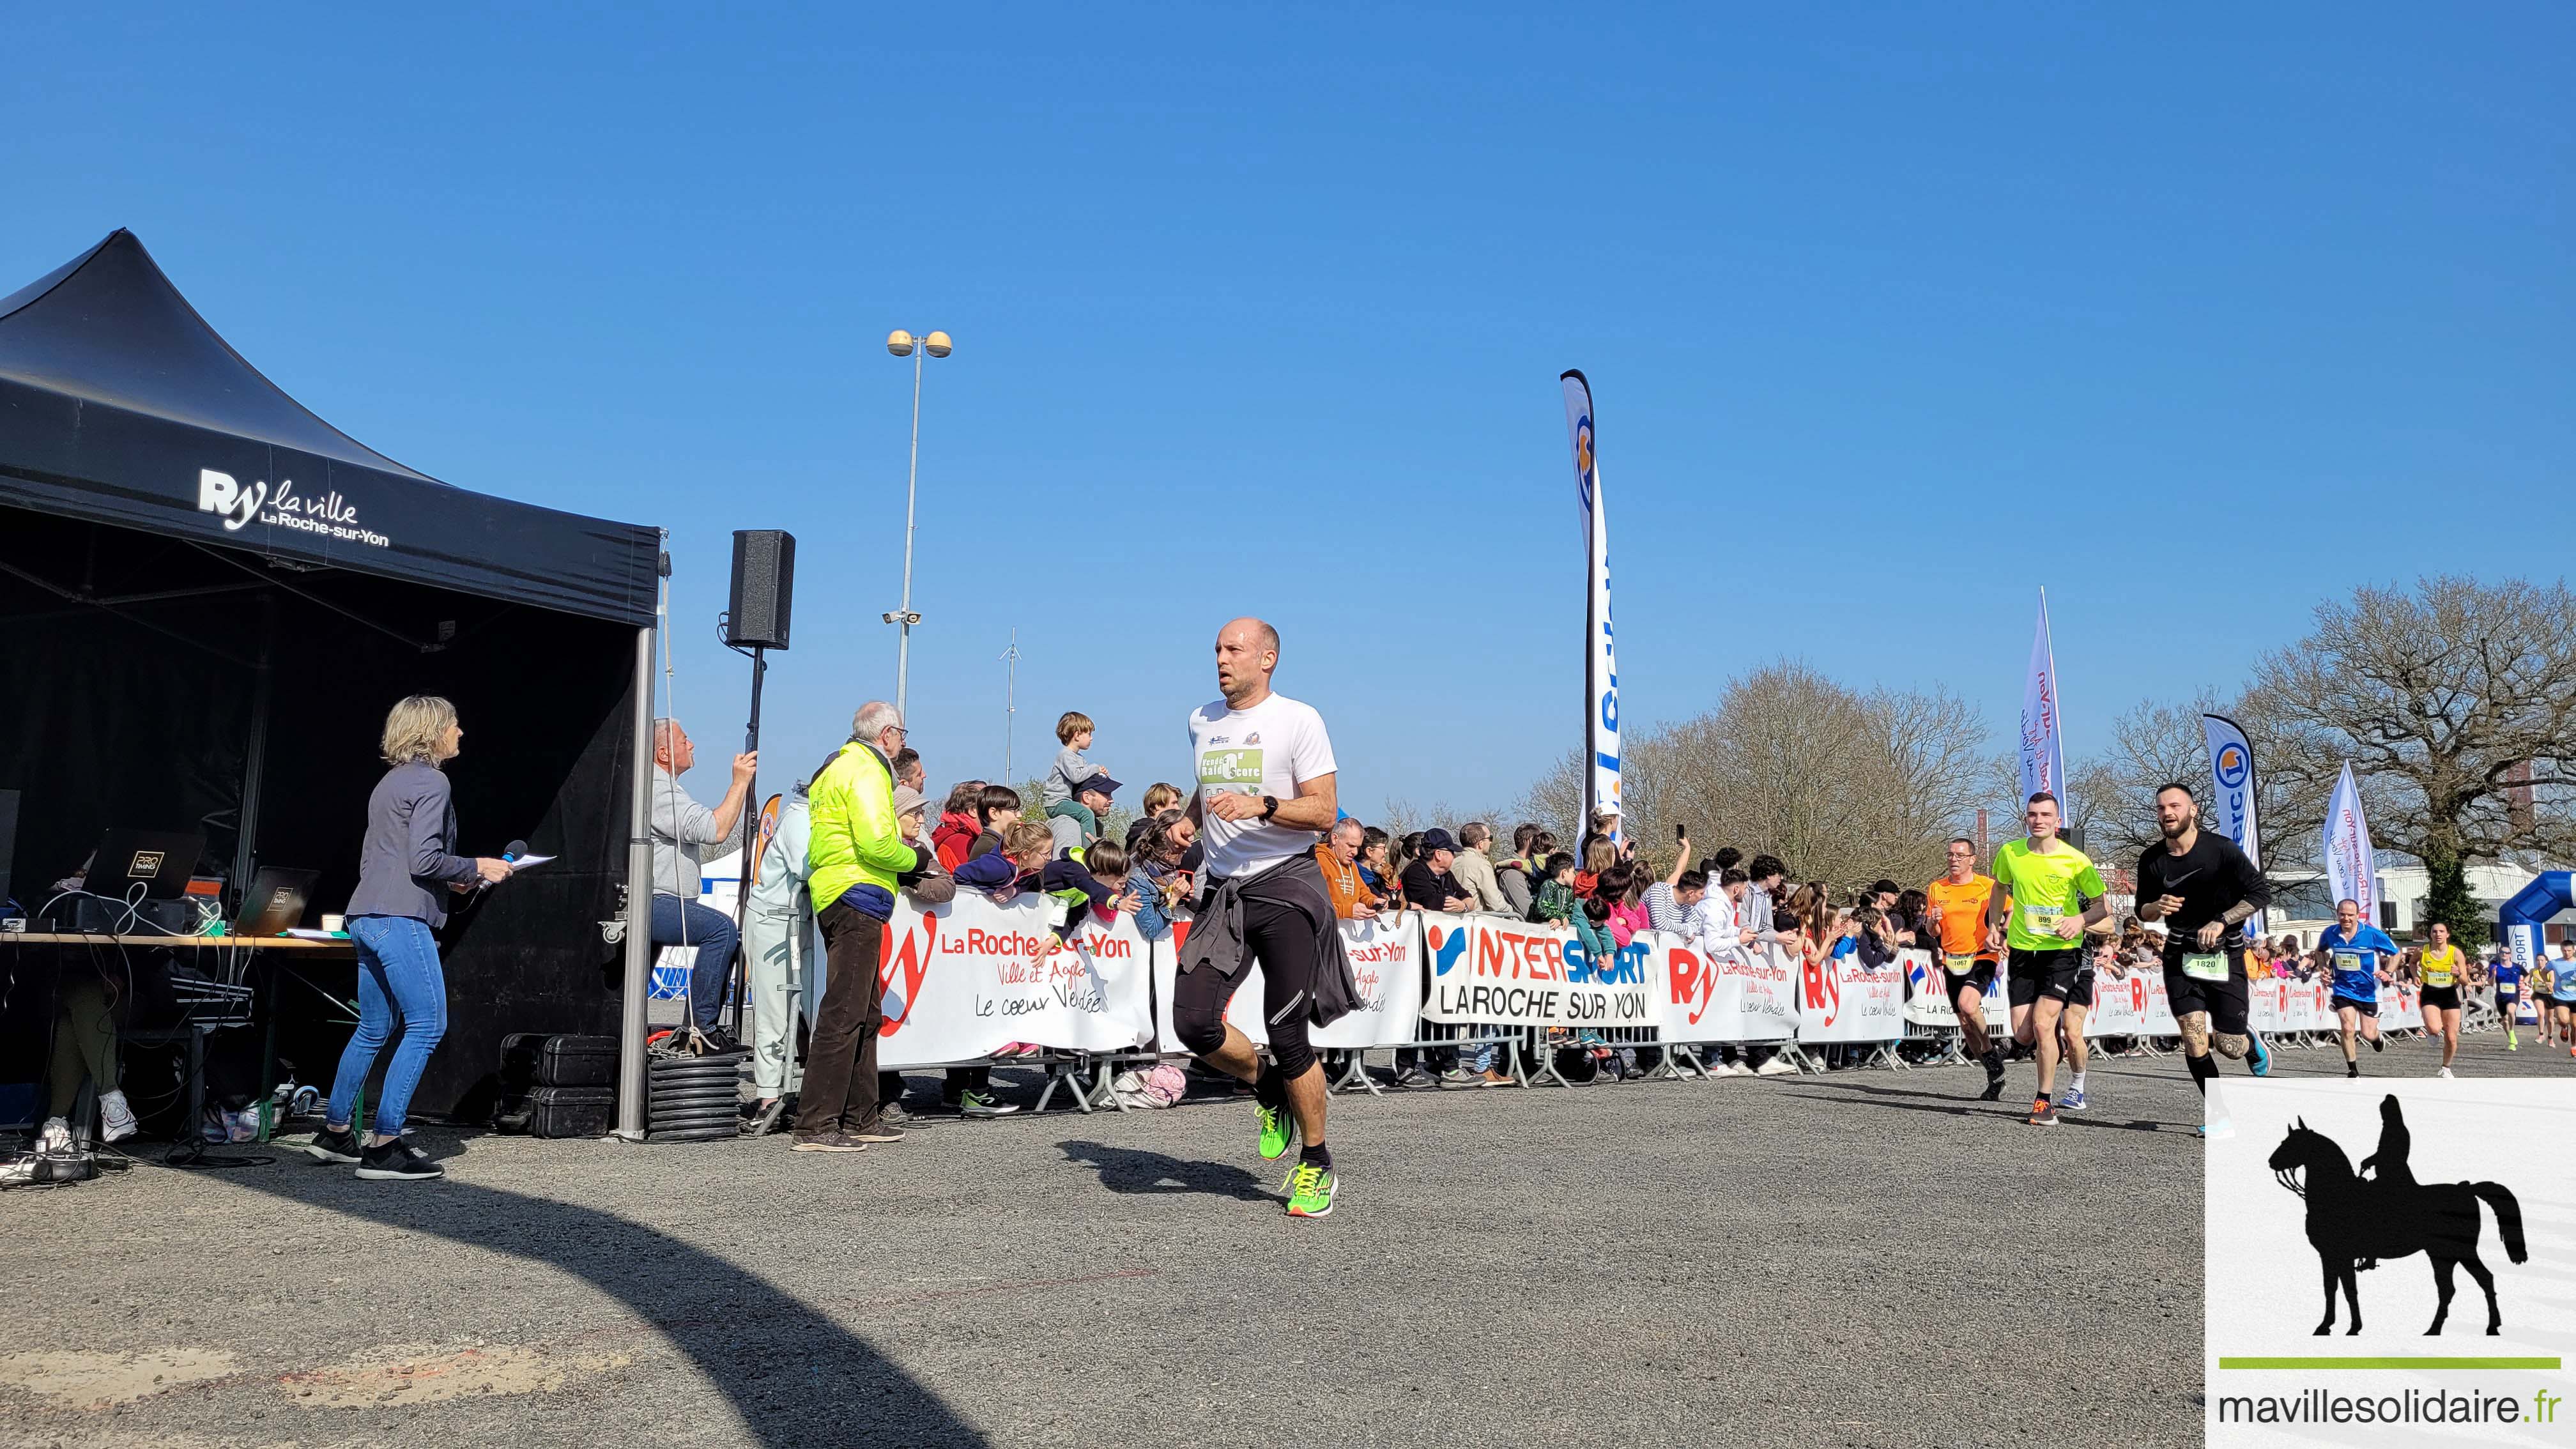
2043	749
1600	658
2131	1004
964	979
2352	871
1842	999
1743	996
1386	961
1498	971
2231	769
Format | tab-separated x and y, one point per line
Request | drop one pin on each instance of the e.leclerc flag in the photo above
1600	660
2043	754
2351	864
2231	769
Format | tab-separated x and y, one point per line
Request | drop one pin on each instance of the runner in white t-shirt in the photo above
1265	796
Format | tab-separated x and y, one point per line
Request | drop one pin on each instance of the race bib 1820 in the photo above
2210	967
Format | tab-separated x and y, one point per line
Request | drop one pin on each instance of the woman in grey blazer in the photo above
406	871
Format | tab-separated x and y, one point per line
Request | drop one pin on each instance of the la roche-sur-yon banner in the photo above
1386	963
1740	995
964	979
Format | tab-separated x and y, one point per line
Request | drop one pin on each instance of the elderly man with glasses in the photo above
853	854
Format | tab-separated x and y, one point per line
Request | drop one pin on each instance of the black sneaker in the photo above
398	1161
330	1146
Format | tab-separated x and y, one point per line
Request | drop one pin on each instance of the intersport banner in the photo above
964	979
1842	999
1386	961
1498	971
1742	995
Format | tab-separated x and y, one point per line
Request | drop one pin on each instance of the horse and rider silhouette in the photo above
2354	1221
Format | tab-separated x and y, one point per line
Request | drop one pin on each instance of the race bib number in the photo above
1959	965
1238	769
2347	960
2211	967
2041	920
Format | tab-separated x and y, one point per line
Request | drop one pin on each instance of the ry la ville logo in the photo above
282	507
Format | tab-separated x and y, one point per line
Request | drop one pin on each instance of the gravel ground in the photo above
1864	1258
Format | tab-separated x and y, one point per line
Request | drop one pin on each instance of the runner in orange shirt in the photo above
1957	905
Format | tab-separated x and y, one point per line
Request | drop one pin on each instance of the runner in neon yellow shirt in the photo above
2055	892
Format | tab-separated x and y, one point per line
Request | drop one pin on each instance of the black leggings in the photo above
1282	939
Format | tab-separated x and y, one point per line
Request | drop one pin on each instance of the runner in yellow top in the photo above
2055	893
2445	972
1958	905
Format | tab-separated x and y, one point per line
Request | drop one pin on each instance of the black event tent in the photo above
208	599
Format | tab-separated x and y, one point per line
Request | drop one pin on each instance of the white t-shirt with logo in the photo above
1269	749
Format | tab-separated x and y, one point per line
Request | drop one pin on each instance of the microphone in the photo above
510	854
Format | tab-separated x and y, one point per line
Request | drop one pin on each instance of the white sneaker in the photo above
117	1115
54	1139
1775	1068
2444	1072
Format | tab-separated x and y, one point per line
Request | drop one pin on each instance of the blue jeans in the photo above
398	975
712	932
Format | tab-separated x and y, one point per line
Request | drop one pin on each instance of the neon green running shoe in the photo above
1311	1190
1278	1129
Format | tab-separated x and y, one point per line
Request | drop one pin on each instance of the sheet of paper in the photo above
523	862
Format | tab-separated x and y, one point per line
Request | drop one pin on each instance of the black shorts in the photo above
1281	937
2224	1001
2065	976
2346	1003
2445	997
1982	978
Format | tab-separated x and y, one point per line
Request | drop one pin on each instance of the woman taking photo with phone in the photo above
407	872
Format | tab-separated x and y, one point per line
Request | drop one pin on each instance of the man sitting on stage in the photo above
681	827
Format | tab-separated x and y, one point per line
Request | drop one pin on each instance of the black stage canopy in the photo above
119	405
209	597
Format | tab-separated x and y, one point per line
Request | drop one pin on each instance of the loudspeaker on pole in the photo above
764	579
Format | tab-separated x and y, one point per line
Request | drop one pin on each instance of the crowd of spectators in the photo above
1602	887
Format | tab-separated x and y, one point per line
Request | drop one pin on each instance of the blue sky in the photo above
1894	314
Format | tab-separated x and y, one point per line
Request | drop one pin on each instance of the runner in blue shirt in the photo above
2562	996
2360	957
2508	998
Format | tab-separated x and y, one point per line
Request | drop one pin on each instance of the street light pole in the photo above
901	344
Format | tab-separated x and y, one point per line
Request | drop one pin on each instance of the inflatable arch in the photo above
2522	917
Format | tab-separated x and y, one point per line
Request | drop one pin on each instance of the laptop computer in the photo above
275	902
160	859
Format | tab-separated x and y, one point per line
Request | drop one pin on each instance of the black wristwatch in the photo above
1269	806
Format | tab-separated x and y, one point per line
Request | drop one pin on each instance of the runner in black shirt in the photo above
2204	889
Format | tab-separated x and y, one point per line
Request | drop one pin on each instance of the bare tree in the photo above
2444	698
1842	785
1555	800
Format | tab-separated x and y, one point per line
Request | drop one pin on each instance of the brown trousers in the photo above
841	1063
